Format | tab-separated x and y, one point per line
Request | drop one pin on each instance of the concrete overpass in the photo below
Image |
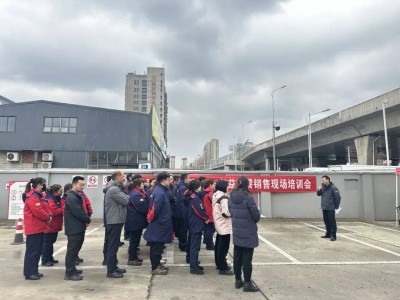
348	135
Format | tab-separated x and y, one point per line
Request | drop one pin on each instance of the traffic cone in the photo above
19	233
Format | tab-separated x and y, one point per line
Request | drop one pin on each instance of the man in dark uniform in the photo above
75	219
181	212
159	230
330	200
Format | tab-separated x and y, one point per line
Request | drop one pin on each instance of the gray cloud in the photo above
222	59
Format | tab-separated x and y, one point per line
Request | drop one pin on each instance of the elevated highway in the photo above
354	135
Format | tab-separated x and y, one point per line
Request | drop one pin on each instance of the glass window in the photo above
144	109
102	159
64	124
3	124
48	121
73	122
72	125
144	155
57	124
144	102
122	157
11	124
7	124
132	157
47	124
93	158
112	157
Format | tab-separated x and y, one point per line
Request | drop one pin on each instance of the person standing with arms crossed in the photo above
330	200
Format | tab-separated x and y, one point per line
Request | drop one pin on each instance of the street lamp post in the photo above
234	154
243	142
274	126
243	139
385	128
309	135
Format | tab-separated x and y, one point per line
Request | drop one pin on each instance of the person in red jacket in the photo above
208	189
35	218
50	237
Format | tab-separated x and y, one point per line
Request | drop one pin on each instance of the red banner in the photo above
272	184
397	171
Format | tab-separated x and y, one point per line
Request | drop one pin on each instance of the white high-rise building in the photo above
136	93
172	162
184	165
144	91
210	153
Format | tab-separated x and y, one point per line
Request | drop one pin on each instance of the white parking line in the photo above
211	265
63	248
357	241
285	254
321	263
379	226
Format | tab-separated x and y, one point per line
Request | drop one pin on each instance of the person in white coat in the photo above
223	227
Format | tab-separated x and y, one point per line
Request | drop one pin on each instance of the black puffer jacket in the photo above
75	218
245	215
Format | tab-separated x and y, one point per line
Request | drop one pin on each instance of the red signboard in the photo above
274	184
397	171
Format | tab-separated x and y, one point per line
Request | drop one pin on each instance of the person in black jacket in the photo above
330	200
75	219
136	219
196	219
245	215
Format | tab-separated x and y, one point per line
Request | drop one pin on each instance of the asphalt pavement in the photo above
291	262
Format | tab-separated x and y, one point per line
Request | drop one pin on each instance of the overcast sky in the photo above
222	58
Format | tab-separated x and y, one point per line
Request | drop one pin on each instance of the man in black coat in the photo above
75	219
330	200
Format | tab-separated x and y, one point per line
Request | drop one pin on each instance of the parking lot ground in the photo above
291	262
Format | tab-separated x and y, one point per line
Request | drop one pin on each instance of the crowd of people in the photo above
166	207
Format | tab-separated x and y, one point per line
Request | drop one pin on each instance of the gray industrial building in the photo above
45	134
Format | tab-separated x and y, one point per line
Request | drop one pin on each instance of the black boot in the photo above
250	286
